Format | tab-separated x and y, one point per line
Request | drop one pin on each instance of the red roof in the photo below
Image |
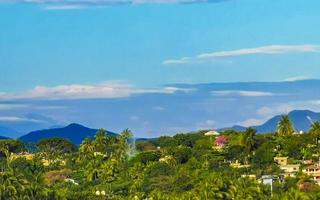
313	167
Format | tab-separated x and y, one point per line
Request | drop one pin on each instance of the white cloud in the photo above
79	4
297	78
284	108
270	111
252	122
7	106
18	119
64	7
207	124
266	50
184	60
272	49
86	91
134	118
243	93
158	108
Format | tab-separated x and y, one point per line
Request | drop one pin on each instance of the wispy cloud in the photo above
64	7
251	122
158	108
243	93
284	108
87	91
9	106
184	60
18	119
296	78
263	50
79	4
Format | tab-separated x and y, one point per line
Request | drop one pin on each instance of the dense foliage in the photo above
185	166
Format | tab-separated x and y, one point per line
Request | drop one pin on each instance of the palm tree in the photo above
294	194
12	184
285	126
315	130
101	141
86	148
248	140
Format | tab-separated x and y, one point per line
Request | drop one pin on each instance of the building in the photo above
314	172
212	133
238	165
281	160
290	170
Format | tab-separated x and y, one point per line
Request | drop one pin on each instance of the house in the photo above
307	162
314	172
251	176
281	160
290	170
27	156
238	165
212	133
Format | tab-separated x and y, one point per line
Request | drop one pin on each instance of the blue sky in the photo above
71	50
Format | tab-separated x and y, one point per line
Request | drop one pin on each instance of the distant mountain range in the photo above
300	119
3	138
76	133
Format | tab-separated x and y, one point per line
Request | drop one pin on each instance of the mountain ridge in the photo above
299	119
74	132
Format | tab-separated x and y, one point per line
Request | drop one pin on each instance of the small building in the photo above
251	176
314	172
212	133
27	156
281	160
238	165
290	170
307	162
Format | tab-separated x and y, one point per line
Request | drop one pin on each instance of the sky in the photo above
56	52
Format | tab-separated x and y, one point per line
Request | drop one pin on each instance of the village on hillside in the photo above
199	165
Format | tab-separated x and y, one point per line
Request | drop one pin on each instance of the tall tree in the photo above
285	126
86	149
315	131
54	149
101	141
248	140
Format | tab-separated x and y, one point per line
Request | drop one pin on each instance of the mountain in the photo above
8	132
3	138
298	117
76	133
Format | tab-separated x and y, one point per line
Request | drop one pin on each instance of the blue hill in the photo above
298	117
76	133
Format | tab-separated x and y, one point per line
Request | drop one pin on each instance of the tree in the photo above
285	126
315	131
12	146
12	184
86	149
101	141
248	139
54	149
264	156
